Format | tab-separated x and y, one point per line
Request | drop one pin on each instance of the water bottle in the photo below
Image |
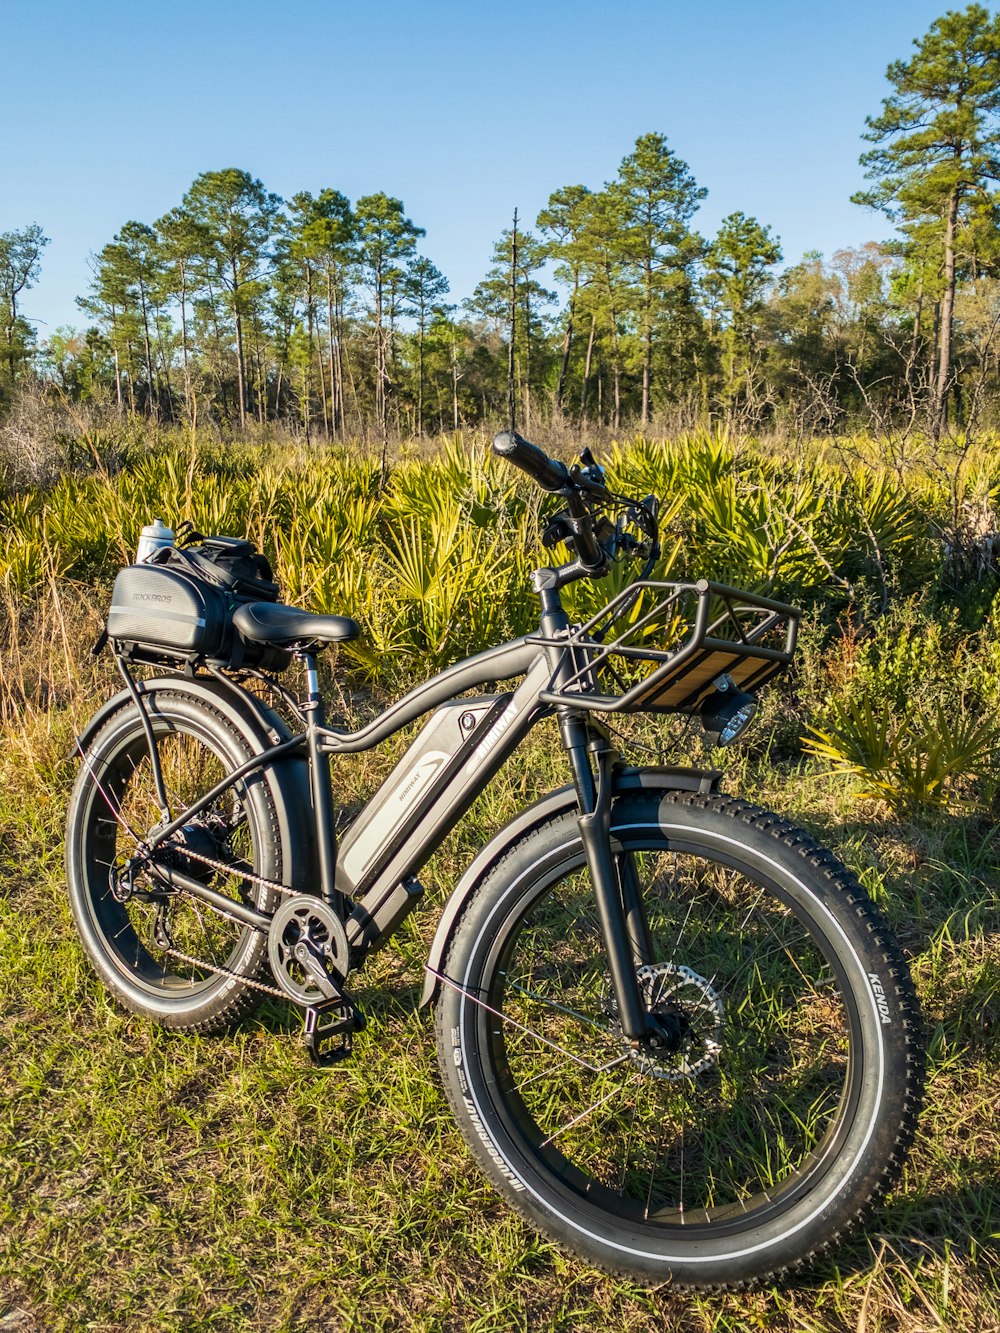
153	536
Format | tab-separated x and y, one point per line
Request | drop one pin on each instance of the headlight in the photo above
725	714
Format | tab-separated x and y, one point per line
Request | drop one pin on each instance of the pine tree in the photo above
425	285
386	238
181	241
491	302
659	196
236	217
20	253
937	151
737	277
564	220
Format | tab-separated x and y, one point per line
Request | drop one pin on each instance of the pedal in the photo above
333	1021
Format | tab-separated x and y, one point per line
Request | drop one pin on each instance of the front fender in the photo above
555	803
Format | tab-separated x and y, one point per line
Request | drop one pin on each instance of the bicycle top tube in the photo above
500	663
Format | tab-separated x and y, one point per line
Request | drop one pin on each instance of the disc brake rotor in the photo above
685	1003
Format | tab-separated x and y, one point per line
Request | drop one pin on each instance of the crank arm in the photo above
310	961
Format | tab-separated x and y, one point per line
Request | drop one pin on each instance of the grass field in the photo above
158	1182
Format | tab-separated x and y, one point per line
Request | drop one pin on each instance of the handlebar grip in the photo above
550	474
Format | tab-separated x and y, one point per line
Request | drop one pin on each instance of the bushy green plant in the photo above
922	758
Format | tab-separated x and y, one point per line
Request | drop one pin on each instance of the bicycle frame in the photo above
448	765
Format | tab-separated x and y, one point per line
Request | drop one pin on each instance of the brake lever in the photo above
592	469
589	478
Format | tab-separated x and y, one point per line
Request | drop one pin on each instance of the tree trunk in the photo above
354	387
454	382
148	352
323	387
947	320
647	348
240	365
118	364
307	387
341	413
330	352
586	368
184	344
9	336
262	382
527	362
420	373
380	371
567	342
165	363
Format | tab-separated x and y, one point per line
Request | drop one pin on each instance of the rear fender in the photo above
555	803
287	779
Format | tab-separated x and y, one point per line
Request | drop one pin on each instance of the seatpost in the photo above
319	785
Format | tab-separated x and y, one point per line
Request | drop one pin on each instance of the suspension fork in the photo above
619	902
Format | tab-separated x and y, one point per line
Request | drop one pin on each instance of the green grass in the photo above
158	1182
153	1182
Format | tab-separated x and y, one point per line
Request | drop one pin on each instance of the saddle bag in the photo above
177	607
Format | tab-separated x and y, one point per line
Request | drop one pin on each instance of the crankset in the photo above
309	955
307	949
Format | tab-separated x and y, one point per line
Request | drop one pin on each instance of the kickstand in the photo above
327	1029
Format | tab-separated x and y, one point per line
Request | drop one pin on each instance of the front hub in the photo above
686	1021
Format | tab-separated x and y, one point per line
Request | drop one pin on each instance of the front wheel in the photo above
782	1103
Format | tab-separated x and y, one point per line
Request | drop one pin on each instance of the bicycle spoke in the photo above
687	1133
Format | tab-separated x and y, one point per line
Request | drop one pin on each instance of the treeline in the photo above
238	306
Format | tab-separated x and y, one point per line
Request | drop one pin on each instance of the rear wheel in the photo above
781	1102
164	953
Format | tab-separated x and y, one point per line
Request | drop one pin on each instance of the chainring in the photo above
305	919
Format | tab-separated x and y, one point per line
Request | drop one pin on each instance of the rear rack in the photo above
717	630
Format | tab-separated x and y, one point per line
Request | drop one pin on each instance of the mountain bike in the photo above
674	1031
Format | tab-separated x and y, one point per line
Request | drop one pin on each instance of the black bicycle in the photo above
674	1031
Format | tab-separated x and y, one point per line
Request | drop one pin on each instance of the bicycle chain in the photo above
171	952
232	870
214	967
227	972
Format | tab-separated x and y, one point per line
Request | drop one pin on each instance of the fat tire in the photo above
220	1001
885	1065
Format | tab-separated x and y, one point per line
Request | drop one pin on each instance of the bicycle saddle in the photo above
283	626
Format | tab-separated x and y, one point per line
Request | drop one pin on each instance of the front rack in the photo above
703	631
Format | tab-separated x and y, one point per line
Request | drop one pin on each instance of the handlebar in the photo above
595	541
550	474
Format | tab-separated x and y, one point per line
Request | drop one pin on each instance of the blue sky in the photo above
461	110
